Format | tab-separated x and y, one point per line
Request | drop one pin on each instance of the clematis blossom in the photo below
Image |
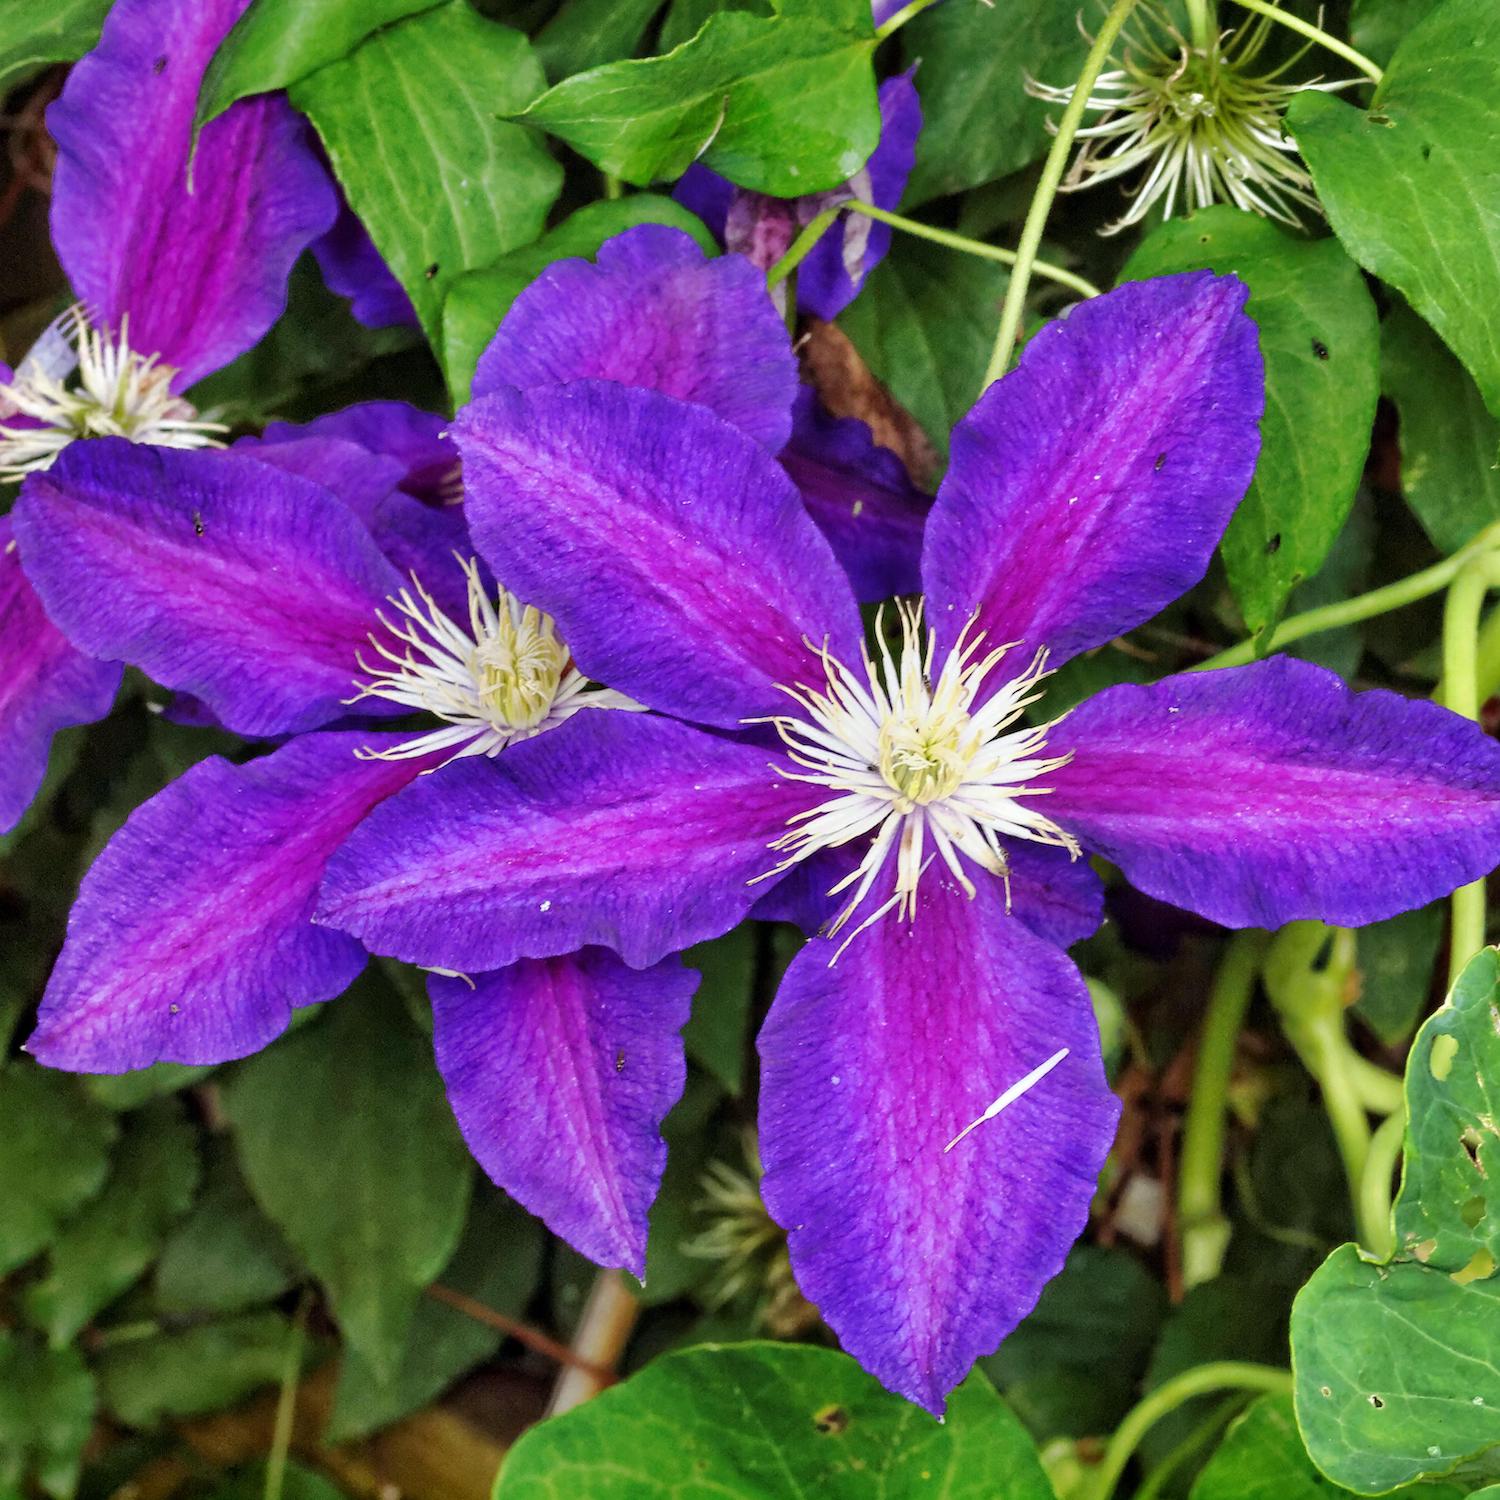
762	227
175	277
934	1110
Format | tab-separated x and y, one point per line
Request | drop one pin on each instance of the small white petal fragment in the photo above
1010	1096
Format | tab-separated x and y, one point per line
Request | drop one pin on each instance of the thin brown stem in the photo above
523	1333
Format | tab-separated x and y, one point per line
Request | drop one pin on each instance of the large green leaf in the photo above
1320	339
1395	1363
498	1263
54	1157
1396	958
1412	187
1377	27
46	1414
589	33
409	120
347	1142
200	1368
925	324
783	104
717	1033
34	33
107	1246
1262	1458
979	123
479	300
1450	444
772	1422
277	42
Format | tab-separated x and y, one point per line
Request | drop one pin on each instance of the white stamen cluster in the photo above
910	760
505	678
119	392
1195	122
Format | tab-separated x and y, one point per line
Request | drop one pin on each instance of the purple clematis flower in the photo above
762	228
934	1111
174	281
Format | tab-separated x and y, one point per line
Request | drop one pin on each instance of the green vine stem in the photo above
798	251
1200	24
1366	606
1380	1091
1461	694
286	1402
1046	190
1314	34
1191	1447
906	13
1201	1380
1376	1182
1200	1214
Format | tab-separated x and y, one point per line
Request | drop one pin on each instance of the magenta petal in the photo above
922	1259
861	499
359	478
655	312
675	555
636	833
835	269
418	440
1090	486
45	685
191	938
200	269
221	576
560	1072
1264	794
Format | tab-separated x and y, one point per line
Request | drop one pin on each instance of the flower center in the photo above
506	677
118	392
912	759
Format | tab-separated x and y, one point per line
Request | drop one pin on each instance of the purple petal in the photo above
427	541
674	554
45	685
416	439
836	267
655	312
922	1259
191	938
702	191
353	268
201	270
860	497
1261	795
222	577
359	478
1089	487
560	1071
636	833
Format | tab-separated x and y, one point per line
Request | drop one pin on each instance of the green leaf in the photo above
55	1156
1320	339
978	121
46	1414
479	300
498	1263
925	323
297	1483
226	1255
45	31
277	42
117	1235
193	1370
125	1091
684	19
1450	443
763	1421
589	33
1410	187
347	1142
1377	27
1396	959
1394	1363
409	122
782	105
1262	1458
716	1034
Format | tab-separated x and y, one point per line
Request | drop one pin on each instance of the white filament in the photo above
1010	1096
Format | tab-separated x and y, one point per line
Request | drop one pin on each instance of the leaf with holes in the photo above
764	1421
1321	343
783	104
1411	186
1396	1377
409	120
